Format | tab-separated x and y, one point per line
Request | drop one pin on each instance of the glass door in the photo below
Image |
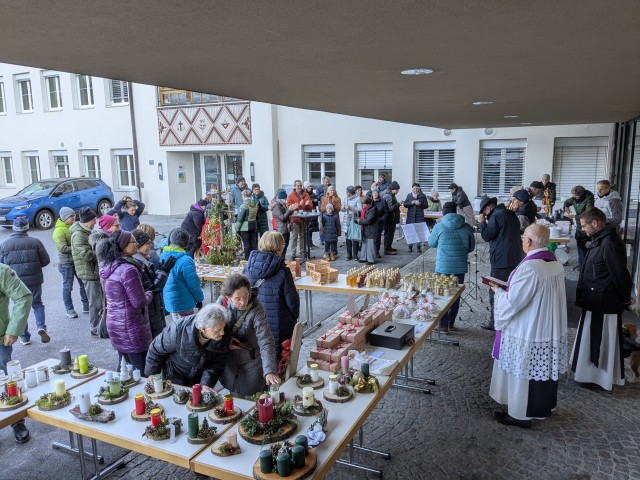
211	173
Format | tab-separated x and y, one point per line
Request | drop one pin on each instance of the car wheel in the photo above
103	207
44	219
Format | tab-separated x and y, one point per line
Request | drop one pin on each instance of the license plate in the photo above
2	219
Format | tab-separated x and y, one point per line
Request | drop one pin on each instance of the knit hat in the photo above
351	190
179	238
375	190
105	222
434	192
240	179
203	202
282	194
141	237
394	186
522	195
20	224
86	215
449	207
307	184
329	206
536	184
66	212
254	186
123	238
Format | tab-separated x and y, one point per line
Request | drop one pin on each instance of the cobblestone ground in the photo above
450	434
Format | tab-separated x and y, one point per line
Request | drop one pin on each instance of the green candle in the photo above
364	368
303	442
193	423
115	386
83	364
266	461
298	453
284	464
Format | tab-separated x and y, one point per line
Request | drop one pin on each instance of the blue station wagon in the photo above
41	201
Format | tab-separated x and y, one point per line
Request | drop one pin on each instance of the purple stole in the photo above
545	255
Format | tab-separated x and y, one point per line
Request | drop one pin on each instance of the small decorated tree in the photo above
220	244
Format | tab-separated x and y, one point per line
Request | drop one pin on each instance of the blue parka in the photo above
454	239
182	290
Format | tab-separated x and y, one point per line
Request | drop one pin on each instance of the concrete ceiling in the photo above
546	61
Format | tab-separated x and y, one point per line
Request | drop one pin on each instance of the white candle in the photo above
232	439
308	399
108	376
313	371
333	384
136	375
60	388
157	384
84	401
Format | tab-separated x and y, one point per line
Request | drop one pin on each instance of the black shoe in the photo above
506	419
378	255
488	326
419	250
390	252
349	257
21	433
410	249
393	249
362	261
371	263
591	386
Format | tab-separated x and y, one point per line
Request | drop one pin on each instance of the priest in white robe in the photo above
531	348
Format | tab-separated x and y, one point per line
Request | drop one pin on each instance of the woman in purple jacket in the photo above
126	300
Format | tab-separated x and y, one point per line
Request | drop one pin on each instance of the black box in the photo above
392	335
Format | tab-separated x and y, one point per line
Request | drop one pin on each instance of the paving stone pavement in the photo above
451	434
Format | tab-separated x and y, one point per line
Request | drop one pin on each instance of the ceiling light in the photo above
446	132
526	123
488	131
417	71
511	116
482	102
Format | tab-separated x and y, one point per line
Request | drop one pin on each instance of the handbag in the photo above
354	232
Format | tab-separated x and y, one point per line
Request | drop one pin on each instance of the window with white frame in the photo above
53	91
126	168
3	103
61	164
33	165
320	161
119	92
91	161
24	94
578	161
6	167
84	90
374	159
502	166
435	165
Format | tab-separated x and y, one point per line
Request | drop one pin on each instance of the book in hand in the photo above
487	280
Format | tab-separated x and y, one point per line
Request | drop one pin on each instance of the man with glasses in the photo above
604	290
581	200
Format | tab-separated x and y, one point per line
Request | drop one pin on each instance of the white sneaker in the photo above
25	342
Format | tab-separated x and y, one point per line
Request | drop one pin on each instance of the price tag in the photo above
351	306
172	431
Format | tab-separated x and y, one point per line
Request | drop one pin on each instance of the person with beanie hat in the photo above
182	292
86	265
27	257
128	212
262	221
433	205
192	224
246	225
351	206
449	207
62	239
392	217
108	223
525	208
236	193
281	216
127	319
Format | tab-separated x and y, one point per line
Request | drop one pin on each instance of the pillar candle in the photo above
83	364
265	410
266	461
60	388
303	441
313	372
232	439
344	363
136	375
12	388
284	464
84	402
196	394
156	417
333	383
65	357
140	406
364	368
158	385
308	400
115	387
298	456
108	375
228	404
193	423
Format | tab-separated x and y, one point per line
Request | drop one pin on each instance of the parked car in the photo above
41	201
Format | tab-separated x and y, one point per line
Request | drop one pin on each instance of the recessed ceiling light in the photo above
511	116
447	132
482	102
526	123
417	71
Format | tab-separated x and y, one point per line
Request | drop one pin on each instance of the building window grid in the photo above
92	165
26	97
319	165
172	96
502	168
7	170
61	164
3	104
33	163
54	93
126	170
119	92
435	169
84	86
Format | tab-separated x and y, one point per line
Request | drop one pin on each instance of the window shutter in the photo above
375	156
502	167
119	91
435	165
635	173
578	165
319	153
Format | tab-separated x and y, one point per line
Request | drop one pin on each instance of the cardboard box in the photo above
355	334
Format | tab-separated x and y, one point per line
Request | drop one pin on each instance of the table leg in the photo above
439	338
107	471
358	466
83	465
71	448
408	377
311	327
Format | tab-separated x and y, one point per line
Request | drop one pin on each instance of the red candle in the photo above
265	409
12	389
196	394
228	404
156	417
140	404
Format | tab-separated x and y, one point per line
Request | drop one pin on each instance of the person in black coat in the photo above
526	208
193	223
369	222
393	217
192	350
277	292
381	206
501	228
415	203
27	257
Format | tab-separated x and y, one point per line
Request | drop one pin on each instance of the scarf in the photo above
363	211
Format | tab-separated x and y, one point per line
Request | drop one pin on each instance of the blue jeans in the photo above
5	357
68	272
449	318
38	311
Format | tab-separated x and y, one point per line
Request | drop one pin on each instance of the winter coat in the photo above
415	213
330	227
277	294
303	201
454	239
12	288
127	221
263	208
393	207
335	201
156	310
382	186
84	258
193	222
459	197
314	223
502	230
236	197
381	206
581	205
97	236
246	368
605	284
369	222
246	219
355	207
611	205
179	355
282	216
182	290
527	214
62	238
126	302
434	205
26	256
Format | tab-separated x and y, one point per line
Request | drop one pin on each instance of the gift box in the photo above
325	366
355	334
321	353
360	320
340	351
330	338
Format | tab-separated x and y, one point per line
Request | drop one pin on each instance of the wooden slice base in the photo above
7	408
61	371
57	406
131	383
90	373
159	395
145	417
105	416
120	399
202	441
200	408
333	398
215	449
310	463
298	409
285	432
314	385
224	420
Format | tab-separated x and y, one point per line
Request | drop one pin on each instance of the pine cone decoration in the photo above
148	388
208	398
3	396
220	412
204	433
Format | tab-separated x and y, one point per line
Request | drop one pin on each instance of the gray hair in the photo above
538	234
211	315
546	176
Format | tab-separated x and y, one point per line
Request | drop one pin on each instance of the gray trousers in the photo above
96	303
368	250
